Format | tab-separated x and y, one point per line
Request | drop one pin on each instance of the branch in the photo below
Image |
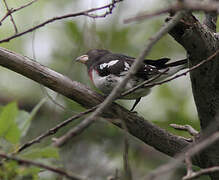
11	11
187	128
200	42
144	83
188	166
109	6
118	89
179	6
195	148
126	164
11	17
147	83
52	130
40	165
206	171
137	126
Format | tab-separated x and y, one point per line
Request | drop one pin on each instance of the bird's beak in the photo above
82	59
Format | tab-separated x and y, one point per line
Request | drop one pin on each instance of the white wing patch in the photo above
102	66
127	66
111	63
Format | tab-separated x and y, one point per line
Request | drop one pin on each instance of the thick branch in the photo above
200	43
137	126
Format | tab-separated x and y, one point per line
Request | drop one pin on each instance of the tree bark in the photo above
200	42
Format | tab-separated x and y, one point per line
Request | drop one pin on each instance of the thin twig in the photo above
24	6
40	165
43	89
82	13
187	128
11	17
194	175
143	83
53	130
147	85
188	165
126	164
191	150
201	172
178	6
117	90
11	11
184	73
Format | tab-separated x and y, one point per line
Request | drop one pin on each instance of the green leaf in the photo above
21	119
36	153
26	122
13	135
8	127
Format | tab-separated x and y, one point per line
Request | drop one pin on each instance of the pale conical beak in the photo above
82	59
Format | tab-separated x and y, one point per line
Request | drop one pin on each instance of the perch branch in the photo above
152	135
117	90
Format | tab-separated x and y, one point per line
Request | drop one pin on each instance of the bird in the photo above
107	69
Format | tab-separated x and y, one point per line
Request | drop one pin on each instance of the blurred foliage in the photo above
12	130
57	45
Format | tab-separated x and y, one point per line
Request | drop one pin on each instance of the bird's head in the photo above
92	56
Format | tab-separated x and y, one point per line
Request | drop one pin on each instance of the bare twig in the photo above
11	11
116	91
184	73
23	6
183	5
187	128
195	175
143	83
110	10
192	150
127	168
188	165
40	165
52	130
126	165
82	13
11	17
147	83
74	132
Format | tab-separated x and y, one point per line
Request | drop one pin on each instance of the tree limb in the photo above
200	43
137	126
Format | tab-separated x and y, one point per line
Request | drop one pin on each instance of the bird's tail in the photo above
173	68
178	63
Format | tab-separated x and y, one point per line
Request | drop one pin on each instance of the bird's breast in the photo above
107	83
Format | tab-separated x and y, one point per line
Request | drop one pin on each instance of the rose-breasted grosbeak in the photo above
107	69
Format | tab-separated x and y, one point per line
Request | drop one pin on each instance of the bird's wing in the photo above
159	63
119	65
115	65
